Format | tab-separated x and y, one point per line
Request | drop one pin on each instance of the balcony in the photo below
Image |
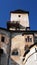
13	25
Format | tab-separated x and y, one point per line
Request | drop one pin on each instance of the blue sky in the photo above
9	5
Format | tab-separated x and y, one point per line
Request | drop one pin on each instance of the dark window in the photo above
15	52
2	38
28	39
19	15
1	51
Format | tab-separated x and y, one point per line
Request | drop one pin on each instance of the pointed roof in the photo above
19	11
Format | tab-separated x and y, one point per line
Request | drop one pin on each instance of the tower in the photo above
19	20
18	44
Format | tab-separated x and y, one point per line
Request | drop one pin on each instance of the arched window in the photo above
15	52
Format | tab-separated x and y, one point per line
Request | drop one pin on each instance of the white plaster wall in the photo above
23	20
31	57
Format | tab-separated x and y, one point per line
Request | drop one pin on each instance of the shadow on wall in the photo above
3	57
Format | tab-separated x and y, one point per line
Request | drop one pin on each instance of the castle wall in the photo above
18	42
4	45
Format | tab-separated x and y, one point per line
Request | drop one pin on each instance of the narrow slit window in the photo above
2	38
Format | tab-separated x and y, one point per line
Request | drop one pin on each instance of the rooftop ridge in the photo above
19	11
